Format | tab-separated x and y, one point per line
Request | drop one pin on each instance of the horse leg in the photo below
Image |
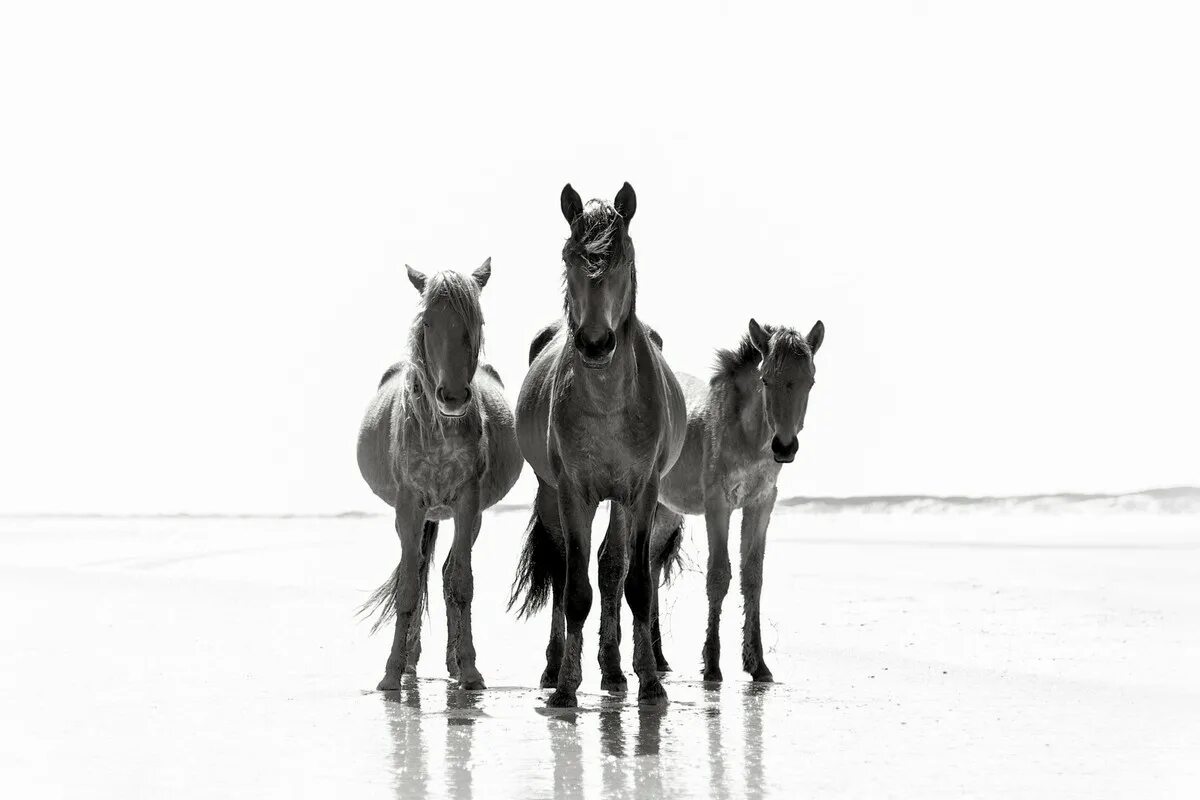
451	617
428	542
467	519
577	513
410	519
639	594
716	520
554	650
660	660
754	545
663	549
546	506
611	565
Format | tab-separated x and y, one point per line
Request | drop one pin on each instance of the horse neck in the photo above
750	412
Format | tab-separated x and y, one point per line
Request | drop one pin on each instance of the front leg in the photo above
410	519
716	520
611	565
754	546
577	512
461	583
639	594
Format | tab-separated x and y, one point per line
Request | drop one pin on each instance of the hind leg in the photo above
754	545
663	546
546	505
410	519
554	650
611	567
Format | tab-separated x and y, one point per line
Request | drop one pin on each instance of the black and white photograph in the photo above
603	400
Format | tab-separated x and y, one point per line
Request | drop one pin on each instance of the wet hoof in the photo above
562	699
411	669
713	675
762	675
614	683
549	678
390	683
652	693
662	665
471	680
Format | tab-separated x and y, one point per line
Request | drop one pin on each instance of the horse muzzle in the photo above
784	453
596	353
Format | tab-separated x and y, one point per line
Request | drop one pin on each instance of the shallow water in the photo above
916	655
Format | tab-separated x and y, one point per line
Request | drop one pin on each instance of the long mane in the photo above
461	294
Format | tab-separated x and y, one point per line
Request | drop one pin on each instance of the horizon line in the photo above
791	502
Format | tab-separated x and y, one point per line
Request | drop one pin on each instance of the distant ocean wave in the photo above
1176	500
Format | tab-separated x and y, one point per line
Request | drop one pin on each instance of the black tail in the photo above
540	561
670	558
382	602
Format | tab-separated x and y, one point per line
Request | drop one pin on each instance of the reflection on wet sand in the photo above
718	781
644	751
568	754
409	769
752	736
462	708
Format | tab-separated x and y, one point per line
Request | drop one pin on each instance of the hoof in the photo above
652	693
713	675
662	666
549	679
614	683
411	669
763	675
470	679
390	683
562	699
472	685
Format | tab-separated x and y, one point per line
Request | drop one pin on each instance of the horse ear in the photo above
816	336
759	338
484	272
572	206
626	202
417	279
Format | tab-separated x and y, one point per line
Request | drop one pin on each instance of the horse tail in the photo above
540	561
669	550
382	603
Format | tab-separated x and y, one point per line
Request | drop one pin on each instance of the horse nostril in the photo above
596	348
453	398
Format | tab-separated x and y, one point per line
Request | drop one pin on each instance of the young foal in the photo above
742	428
437	442
600	417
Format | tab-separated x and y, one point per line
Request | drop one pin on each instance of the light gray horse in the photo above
437	442
742	428
600	417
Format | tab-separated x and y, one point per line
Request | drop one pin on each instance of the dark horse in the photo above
600	417
742	428
437	442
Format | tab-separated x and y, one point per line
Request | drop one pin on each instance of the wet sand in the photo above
916	655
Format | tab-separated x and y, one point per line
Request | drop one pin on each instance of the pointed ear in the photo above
572	206
626	202
417	279
759	338
484	272
816	336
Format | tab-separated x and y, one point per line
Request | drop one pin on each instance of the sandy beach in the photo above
917	655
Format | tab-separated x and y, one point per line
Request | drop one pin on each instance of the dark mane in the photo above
598	240
730	363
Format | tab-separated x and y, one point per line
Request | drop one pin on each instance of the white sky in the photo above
205	212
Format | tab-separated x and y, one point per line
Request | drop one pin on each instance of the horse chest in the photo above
438	470
609	454
745	484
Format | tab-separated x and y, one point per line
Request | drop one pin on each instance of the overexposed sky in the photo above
205	213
